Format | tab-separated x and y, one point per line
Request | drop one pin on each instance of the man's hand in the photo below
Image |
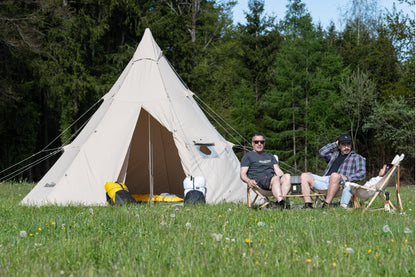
251	183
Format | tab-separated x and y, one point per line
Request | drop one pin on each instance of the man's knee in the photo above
306	178
285	179
335	178
275	181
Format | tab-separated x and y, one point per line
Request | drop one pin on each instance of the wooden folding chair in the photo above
321	195
266	195
393	175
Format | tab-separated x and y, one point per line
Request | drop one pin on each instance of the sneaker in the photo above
274	205
283	205
307	206
324	205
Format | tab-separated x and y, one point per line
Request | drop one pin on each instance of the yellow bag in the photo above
118	193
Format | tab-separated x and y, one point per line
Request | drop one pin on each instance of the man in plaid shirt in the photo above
343	165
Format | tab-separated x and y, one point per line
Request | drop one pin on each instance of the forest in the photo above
298	83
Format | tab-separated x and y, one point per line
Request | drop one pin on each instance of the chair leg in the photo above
372	200
399	200
356	202
249	202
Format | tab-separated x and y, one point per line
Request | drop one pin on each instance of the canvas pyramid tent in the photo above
148	133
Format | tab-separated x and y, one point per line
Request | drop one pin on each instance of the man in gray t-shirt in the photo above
259	168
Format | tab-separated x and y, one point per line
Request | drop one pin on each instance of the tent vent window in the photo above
206	150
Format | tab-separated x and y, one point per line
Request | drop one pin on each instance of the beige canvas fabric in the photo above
378	183
148	130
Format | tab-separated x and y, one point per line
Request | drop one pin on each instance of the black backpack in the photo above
194	197
195	193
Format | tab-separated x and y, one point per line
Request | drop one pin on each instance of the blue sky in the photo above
322	11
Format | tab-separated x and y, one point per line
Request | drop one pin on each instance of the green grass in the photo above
206	240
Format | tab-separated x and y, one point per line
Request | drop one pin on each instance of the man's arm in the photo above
325	151
277	170
243	176
360	173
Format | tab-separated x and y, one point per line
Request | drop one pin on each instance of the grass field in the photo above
205	240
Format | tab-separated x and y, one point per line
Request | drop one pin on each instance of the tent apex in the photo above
148	48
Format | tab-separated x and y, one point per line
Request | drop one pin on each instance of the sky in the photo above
322	11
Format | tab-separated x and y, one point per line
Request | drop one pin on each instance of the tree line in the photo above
298	83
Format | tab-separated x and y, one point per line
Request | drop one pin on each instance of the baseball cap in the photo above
344	138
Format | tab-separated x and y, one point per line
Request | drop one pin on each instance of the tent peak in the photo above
148	48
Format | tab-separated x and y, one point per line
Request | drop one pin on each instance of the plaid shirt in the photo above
353	166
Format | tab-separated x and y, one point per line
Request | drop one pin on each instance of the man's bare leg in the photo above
276	188
286	183
306	182
333	187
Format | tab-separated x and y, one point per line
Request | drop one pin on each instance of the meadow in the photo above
226	239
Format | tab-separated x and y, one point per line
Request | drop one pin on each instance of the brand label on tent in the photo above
49	185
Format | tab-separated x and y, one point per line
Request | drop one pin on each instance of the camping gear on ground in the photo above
156	198
195	190
118	193
162	137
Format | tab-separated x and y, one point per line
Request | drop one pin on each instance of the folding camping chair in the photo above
393	175
266	195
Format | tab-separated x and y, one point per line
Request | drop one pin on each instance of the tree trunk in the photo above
196	5
294	129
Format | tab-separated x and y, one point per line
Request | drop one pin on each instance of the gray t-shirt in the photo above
259	164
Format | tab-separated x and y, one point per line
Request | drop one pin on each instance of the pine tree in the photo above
299	113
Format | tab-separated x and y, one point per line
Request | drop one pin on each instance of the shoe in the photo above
307	206
283	205
324	205
274	205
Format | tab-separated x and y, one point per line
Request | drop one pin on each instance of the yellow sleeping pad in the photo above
156	198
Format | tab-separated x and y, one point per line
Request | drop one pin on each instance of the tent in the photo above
148	133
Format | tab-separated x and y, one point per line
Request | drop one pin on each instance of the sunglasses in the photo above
258	141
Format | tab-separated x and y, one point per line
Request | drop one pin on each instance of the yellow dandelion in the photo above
248	240
31	234
265	240
257	262
410	202
377	255
36	233
405	240
296	251
334	264
40	229
220	216
309	260
375	234
369	251
53	223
